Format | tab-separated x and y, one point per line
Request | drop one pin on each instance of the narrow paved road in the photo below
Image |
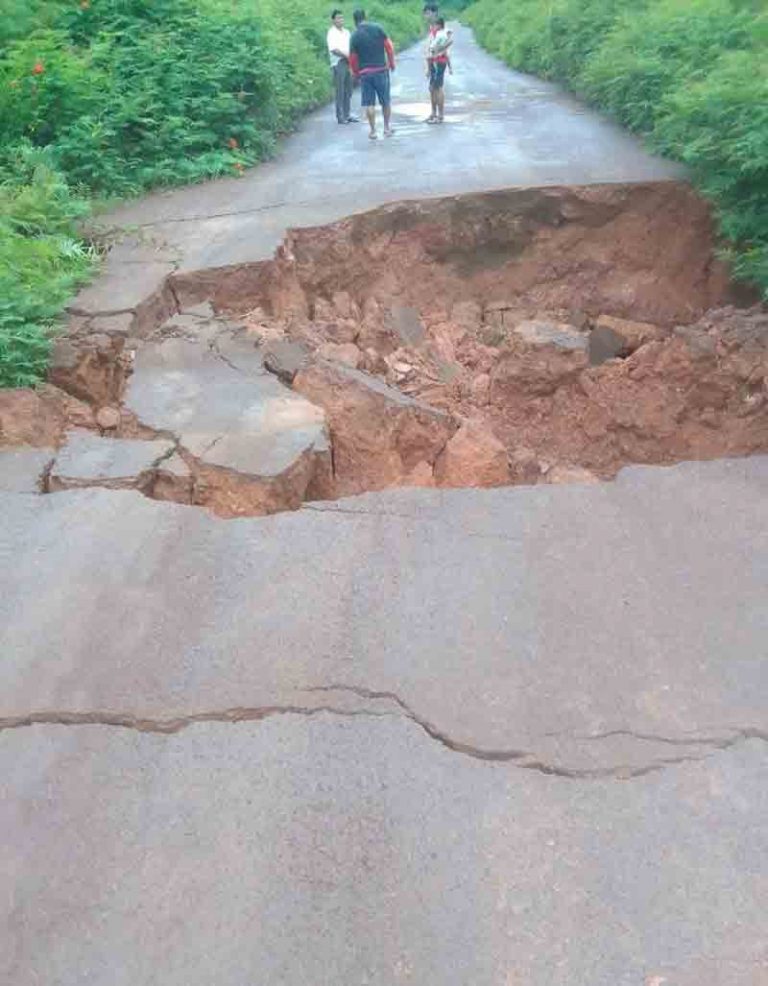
503	129
510	737
476	738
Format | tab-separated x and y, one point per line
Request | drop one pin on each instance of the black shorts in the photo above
374	85
437	74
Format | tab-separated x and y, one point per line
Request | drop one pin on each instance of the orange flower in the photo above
232	144
38	68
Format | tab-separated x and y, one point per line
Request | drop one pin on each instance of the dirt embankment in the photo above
524	336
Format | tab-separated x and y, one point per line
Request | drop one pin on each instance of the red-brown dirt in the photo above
524	336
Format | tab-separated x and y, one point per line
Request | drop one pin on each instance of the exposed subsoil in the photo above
545	335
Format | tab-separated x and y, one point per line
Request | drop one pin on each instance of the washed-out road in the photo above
511	737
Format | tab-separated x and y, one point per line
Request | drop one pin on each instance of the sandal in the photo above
389	132
373	136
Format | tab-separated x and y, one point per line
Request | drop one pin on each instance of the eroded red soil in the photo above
546	335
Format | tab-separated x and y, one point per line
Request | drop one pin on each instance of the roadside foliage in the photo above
107	98
689	75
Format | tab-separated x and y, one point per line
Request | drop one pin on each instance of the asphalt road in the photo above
444	738
502	129
464	737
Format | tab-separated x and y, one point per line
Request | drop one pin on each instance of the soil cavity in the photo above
547	335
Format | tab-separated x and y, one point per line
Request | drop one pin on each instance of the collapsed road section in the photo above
514	337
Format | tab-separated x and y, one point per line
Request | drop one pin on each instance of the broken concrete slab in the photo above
259	447
65	354
116	463
379	435
285	357
239	347
121	288
183	321
22	468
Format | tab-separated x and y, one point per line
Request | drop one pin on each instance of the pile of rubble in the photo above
545	335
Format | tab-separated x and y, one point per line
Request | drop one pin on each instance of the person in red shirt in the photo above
372	58
438	60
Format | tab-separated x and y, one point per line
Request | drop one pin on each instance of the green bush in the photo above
41	261
45	85
18	18
104	98
690	75
655	51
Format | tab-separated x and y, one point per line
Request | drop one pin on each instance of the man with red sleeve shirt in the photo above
372	58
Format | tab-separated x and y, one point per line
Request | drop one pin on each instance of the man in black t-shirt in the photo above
372	58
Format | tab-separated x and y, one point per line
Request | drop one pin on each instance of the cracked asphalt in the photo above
472	737
510	737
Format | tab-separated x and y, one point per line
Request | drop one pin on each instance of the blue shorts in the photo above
437	75
375	85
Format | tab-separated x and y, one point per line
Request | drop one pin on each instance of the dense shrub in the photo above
690	75
41	261
111	97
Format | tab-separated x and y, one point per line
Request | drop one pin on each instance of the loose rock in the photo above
524	466
541	357
346	353
634	334
560	335
108	418
472	457
480	389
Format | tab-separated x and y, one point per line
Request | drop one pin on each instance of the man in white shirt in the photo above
338	52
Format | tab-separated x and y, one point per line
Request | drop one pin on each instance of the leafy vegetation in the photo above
104	98
690	75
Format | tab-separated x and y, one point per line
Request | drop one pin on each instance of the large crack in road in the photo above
699	747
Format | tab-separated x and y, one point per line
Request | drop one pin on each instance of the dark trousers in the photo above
342	84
